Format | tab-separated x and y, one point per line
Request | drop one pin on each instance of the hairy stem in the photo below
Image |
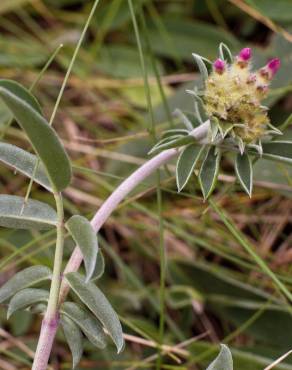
51	318
121	192
50	322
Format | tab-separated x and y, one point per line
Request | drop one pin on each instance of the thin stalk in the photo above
61	92
51	319
156	73
151	129
56	278
46	66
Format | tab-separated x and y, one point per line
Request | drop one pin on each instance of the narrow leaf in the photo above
201	65
278	150
214	129
24	162
223	361
24	279
186	164
96	301
86	239
184	119
225	53
173	132
274	129
74	339
35	214
195	94
86	322
209	172
43	138
22	93
173	144
39	308
166	140
192	117
99	267
224	128
25	298
244	172
240	144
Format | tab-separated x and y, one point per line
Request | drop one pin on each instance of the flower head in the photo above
233	96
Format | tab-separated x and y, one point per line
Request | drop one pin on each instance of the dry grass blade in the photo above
280	359
261	18
16	342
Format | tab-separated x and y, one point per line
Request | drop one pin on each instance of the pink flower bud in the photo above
219	66
274	65
271	68
245	54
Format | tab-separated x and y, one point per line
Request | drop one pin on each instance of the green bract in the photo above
223	361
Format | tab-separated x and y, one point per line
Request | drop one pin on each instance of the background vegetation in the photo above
215	290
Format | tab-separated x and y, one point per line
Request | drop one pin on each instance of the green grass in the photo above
175	267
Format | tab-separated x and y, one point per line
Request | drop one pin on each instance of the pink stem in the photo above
45	343
48	331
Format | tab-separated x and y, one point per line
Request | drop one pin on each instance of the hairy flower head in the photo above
233	95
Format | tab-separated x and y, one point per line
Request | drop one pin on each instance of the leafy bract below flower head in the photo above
233	95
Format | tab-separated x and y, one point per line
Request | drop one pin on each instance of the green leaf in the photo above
39	308
34	215
22	93
99	267
177	132
96	301
214	129
223	361
74	339
43	138
225	53
224	128
86	239
184	119
24	162
173	144
186	164
209	172
201	65
166	140
25	298
278	151
244	172
86	322
24	279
